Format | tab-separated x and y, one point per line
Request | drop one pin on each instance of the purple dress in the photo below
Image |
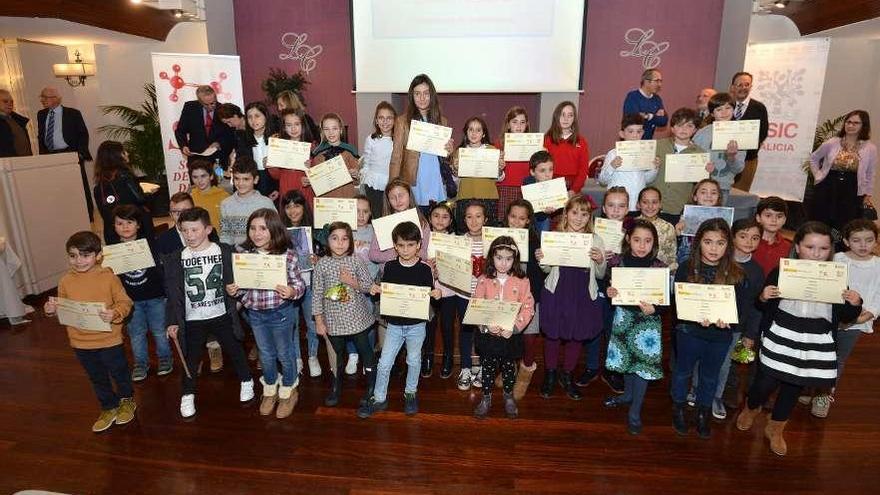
569	313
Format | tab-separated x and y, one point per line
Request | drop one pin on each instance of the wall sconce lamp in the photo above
75	73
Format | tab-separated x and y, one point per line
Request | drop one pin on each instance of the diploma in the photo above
636	155
478	162
329	210
428	138
698	302
744	132
301	242
820	281
611	232
328	175
455	271
259	271
520	146
548	194
566	249
127	257
458	245
634	285
406	301
488	312
694	215
686	167
520	238
286	153
81	315
385	225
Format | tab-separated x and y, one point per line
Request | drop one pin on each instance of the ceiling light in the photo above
135	1
781	4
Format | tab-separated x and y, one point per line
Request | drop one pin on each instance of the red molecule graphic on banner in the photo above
177	83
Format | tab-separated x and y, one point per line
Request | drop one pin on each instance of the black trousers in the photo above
197	334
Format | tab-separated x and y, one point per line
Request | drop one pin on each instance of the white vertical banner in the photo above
177	75
788	79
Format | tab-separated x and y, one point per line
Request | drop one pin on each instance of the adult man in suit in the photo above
703	103
14	139
748	108
200	127
62	129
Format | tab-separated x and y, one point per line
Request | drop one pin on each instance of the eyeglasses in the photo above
655	80
853	122
177	212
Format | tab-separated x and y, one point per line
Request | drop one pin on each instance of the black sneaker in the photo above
371	407
410	404
587	377
614	381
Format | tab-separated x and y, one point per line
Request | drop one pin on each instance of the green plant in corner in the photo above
824	132
140	134
279	81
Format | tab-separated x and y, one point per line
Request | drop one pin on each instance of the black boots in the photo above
335	391
570	388
427	365
704	418
549	384
446	370
679	423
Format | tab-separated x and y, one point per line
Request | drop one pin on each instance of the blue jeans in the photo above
395	337
273	331
465	335
148	315
690	350
103	364
304	306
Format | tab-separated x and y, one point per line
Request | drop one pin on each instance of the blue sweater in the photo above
636	102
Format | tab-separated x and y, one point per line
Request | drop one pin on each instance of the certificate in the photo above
698	302
127	256
455	271
744	132
686	167
640	284
301	242
489	312
520	238
548	194
694	215
520	146
406	301
385	225
286	153
611	232
459	245
328	175
478	162
566	249
820	281
329	210
259	271
428	138
82	315
636	155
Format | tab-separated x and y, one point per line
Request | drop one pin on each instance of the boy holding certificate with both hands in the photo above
675	194
540	170
633	180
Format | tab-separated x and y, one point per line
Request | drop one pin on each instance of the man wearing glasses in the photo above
646	102
748	108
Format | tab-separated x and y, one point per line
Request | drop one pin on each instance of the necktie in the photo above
739	111
50	130
209	122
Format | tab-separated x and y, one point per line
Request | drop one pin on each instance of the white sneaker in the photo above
314	367
188	405
247	391
821	405
299	365
477	376
465	380
351	367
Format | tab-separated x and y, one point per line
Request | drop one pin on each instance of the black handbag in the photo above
448	178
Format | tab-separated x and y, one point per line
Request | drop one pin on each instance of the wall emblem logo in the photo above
297	49
641	46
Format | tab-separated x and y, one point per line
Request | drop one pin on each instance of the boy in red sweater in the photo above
771	214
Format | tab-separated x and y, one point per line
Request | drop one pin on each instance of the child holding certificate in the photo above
332	146
482	189
255	145
101	354
236	209
567	147
707	192
798	347
634	346
683	124
540	170
515	121
363	239
398	197
440	217
376	157
474	220
771	215
650	204
571	313
292	129
271	313
727	163
205	192
631	129
505	280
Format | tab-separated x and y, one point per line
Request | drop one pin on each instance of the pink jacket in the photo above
514	290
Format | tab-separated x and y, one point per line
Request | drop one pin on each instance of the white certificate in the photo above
640	284
329	210
694	215
698	302
566	249
488	312
383	226
459	245
611	232
406	301
286	153
686	167
520	146
428	138
328	175
478	162
744	132
127	257
259	271
455	271
820	281
636	155
520	238
82	315
548	194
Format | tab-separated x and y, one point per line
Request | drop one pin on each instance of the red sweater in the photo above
514	172
768	255
291	179
570	161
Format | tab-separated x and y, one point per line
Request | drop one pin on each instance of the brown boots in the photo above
773	432
270	396
285	397
523	379
746	417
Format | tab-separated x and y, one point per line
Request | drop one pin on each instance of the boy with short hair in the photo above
540	170
407	269
631	129
771	215
100	353
235	210
684	122
195	282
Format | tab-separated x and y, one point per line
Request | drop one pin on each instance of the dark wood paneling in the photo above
814	16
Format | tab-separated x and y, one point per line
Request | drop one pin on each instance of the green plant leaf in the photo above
140	133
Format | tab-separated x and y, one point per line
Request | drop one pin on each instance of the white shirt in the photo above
864	278
632	180
261	151
376	161
203	283
58	142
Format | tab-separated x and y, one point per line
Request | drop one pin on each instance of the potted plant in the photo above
279	81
